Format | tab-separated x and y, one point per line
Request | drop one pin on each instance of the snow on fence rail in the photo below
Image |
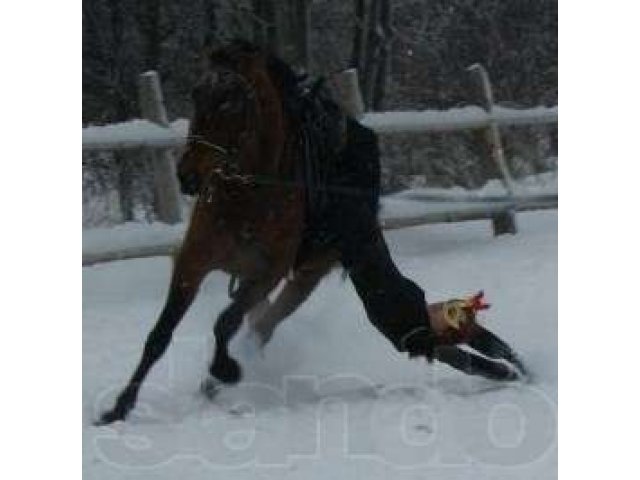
134	240
145	134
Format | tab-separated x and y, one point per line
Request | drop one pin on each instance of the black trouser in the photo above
395	305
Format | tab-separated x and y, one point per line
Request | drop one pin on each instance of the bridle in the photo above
226	157
226	168
201	140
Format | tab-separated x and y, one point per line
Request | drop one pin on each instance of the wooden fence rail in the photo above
164	241
144	134
156	135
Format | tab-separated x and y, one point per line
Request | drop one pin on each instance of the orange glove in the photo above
455	321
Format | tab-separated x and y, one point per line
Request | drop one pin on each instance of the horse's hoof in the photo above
226	369
109	417
210	387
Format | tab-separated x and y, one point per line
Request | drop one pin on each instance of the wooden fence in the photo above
155	135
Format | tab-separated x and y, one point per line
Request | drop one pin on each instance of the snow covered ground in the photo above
330	398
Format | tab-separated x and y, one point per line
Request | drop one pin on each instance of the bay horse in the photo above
243	161
286	186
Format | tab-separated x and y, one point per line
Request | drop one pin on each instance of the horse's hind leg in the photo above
492	346
473	364
249	293
294	293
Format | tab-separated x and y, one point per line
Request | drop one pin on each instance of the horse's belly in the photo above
261	234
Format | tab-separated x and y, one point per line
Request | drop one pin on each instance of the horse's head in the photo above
238	118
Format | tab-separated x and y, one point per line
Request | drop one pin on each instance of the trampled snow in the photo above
330	398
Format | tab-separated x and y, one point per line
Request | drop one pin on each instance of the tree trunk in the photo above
148	17
371	53
371	57
283	28
301	32
266	23
384	62
210	23
359	39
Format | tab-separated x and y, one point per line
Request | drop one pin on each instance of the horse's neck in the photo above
271	126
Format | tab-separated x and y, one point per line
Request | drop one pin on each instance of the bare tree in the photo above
382	78
283	27
410	54
371	49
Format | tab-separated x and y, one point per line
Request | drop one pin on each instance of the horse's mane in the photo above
319	122
287	80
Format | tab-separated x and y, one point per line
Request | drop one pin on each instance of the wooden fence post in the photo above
166	190
348	90
504	222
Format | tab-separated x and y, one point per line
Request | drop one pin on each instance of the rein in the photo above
199	139
226	165
247	179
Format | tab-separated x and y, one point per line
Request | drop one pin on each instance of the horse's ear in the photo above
237	54
211	43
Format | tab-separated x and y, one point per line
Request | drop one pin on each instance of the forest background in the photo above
410	55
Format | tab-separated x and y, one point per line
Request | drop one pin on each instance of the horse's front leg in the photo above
250	292
186	279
